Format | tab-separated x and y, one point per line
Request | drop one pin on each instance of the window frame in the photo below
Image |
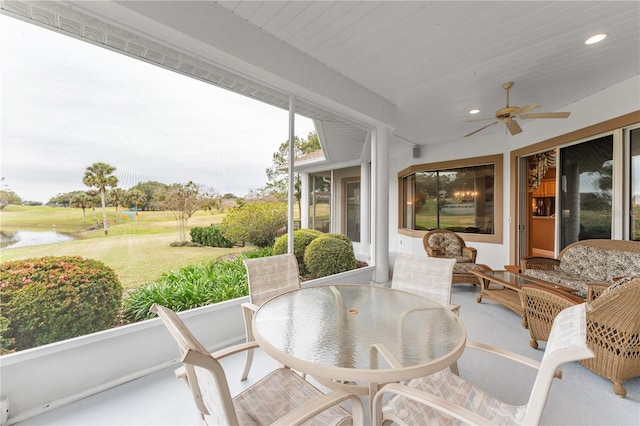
617	124
497	160
345	203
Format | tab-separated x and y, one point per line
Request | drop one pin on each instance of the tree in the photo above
278	173
147	196
257	223
184	200
99	176
81	200
135	199
227	202
116	197
7	197
63	199
94	199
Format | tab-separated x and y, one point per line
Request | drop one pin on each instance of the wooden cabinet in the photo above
547	188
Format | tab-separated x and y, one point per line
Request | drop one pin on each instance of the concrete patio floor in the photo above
580	398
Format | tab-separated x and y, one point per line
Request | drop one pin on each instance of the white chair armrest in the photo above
248	310
505	354
231	350
510	355
430	400
250	306
319	405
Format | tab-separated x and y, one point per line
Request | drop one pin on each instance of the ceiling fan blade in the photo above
513	127
481	128
545	115
524	109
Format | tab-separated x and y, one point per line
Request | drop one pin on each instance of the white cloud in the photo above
67	104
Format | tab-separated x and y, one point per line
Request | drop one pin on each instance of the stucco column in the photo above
365	209
304	201
380	216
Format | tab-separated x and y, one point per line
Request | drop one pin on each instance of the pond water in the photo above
16	239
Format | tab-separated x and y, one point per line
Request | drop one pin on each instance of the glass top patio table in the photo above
359	333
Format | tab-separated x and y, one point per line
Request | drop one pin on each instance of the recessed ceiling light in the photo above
595	38
474	111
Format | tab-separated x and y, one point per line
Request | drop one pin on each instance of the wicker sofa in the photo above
587	261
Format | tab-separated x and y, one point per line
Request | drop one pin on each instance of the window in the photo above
320	203
352	210
463	196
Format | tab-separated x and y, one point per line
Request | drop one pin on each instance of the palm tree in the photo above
99	176
82	201
116	197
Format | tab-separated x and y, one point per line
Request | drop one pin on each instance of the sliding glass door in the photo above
586	191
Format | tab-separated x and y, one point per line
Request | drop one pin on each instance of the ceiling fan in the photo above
508	114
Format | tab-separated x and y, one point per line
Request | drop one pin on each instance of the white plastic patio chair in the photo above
430	277
267	277
445	398
282	397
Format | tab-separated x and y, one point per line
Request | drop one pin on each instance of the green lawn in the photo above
137	248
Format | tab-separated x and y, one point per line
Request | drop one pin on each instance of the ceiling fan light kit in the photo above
508	114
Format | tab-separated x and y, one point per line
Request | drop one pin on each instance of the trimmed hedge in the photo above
301	239
209	236
329	255
50	299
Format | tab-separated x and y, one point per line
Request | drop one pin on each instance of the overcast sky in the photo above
67	104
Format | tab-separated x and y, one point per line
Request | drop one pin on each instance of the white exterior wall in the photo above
615	101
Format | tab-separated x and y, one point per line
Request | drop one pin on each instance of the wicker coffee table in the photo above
506	289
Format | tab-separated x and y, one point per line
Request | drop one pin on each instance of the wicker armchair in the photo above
448	244
613	326
541	305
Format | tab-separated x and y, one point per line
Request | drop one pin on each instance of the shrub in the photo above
209	236
301	239
5	343
55	298
192	286
256	223
184	244
343	238
327	256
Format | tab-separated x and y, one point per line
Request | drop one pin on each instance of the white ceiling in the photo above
419	66
437	60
